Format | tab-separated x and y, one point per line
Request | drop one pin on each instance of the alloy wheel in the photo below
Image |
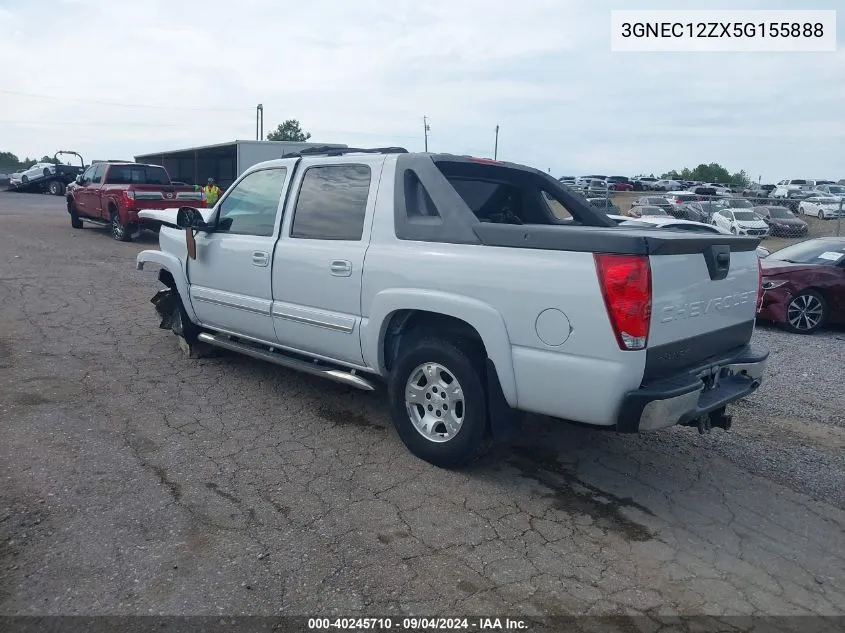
435	402
805	312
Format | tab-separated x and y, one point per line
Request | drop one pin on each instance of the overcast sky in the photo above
114	79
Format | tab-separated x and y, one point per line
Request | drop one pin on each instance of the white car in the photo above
666	185
833	191
38	170
740	222
822	207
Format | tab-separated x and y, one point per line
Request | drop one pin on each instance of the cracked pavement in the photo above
136	481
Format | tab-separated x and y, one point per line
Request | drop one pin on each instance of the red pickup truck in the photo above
110	194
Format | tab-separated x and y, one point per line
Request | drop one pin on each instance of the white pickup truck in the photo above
477	289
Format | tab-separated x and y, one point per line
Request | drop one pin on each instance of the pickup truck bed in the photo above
476	289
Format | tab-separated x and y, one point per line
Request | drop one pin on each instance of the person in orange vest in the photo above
212	193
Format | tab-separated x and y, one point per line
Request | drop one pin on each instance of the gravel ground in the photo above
135	481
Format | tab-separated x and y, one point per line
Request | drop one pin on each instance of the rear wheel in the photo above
806	313
821	215
57	188
438	400
119	231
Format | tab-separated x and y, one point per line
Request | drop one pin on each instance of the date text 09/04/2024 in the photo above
417	624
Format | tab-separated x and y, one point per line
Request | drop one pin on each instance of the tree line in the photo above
713	172
11	163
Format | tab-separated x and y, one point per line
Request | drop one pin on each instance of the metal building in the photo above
224	162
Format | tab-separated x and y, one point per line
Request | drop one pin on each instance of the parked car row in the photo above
735	215
820	198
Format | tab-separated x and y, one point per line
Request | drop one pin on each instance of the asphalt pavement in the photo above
134	480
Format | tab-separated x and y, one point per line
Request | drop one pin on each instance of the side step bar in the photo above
99	223
337	375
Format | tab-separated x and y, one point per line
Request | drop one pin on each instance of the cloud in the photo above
365	73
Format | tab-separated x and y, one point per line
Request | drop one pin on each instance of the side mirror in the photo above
190	218
78	179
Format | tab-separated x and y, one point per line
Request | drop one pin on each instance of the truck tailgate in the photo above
703	305
162	196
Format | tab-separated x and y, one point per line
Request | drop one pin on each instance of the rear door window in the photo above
332	203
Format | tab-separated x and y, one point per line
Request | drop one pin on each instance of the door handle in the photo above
260	258
341	268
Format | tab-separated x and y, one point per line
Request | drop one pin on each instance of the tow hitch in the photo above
715	419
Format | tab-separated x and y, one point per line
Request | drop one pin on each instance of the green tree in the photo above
290	130
714	172
9	162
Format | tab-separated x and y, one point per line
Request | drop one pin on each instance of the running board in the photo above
337	375
99	223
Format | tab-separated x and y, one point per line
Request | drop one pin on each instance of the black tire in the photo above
463	361
119	231
181	324
75	222
813	305
56	188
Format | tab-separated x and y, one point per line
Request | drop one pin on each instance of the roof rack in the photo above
340	151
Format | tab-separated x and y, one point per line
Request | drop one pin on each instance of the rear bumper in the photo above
687	396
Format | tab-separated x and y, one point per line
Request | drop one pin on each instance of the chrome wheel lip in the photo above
434	400
805	312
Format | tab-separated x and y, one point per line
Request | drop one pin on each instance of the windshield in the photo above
824	200
812	252
797	182
780	212
745	216
836	189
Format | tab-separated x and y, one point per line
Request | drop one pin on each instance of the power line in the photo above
95	123
121	105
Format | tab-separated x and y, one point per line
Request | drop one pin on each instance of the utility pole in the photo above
496	146
259	115
426	129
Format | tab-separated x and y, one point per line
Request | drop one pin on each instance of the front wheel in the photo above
806	313
75	222
821	215
438	400
57	188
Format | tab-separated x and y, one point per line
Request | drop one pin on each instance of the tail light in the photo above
625	282
129	197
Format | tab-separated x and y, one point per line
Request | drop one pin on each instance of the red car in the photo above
620	183
804	285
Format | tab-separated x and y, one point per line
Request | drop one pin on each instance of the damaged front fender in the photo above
166	303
